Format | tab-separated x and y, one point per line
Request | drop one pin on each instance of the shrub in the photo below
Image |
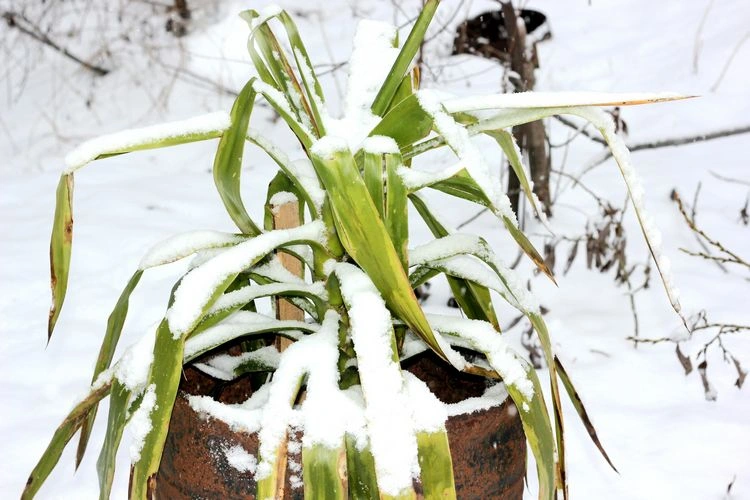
353	185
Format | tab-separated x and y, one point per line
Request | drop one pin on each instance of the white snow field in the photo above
666	439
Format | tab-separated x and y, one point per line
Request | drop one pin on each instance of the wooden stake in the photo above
286	216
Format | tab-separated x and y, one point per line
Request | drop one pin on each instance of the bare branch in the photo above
25	26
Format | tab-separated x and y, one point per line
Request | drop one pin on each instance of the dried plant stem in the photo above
728	257
25	26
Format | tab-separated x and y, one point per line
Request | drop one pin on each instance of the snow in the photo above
140	422
485	338
246	294
457	137
281	198
428	413
416	179
371	59
379	144
224	366
494	396
129	139
389	423
326	147
238	324
133	367
666	440
197	288
240	459
556	99
444	251
182	245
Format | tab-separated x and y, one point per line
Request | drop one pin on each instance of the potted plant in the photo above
370	428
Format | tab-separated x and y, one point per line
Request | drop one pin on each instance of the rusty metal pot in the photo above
488	447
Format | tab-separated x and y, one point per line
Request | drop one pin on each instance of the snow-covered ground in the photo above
665	438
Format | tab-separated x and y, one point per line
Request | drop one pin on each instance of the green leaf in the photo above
324	472
279	184
106	353
436	465
404	58
463	186
360	469
508	144
581	410
283	161
406	122
396	210
62	436
473	299
366	239
374	181
59	248
118	411
536	427
228	161
164	377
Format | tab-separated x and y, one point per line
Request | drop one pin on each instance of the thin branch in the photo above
673	141
729	255
733	180
729	61
580	129
25	26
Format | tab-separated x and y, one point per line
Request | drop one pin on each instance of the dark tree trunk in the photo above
530	136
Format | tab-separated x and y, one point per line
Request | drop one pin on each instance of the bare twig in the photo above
581	129
728	257
733	180
698	44
24	25
729	61
673	141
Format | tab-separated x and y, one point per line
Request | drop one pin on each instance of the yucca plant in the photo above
353	185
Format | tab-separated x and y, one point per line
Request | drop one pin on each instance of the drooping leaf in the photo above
473	299
436	465
581	410
59	248
119	402
106	353
401	64
508	144
164	378
228	161
360	469
324	472
366	238
62	436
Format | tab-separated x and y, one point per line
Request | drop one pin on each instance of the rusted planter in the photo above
488	447
486	36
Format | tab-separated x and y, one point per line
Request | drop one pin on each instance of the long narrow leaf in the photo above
472	298
581	410
62	436
365	237
436	465
164	378
360	469
228	161
118	411
106	353
59	248
402	62
396	212
324	472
